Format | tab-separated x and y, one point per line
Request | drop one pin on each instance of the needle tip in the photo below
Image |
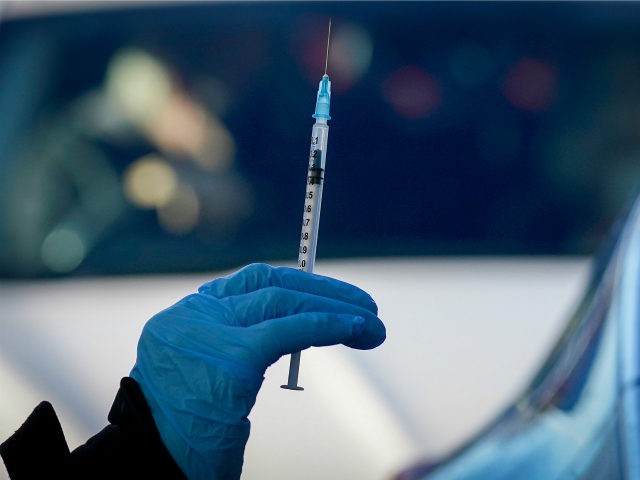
326	61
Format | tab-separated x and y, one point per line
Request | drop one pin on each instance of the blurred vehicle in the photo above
579	416
479	153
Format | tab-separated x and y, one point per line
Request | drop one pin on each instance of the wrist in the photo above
207	438
130	445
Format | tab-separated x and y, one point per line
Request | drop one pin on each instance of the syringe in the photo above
313	195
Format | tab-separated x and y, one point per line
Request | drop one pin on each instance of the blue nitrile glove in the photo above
201	362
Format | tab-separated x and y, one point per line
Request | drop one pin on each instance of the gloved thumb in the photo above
294	333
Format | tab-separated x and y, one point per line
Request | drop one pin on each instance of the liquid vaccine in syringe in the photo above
313	195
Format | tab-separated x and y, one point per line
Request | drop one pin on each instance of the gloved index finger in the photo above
259	275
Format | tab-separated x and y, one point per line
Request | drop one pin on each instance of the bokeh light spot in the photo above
138	83
181	214
62	250
350	55
219	148
150	182
531	85
412	92
350	52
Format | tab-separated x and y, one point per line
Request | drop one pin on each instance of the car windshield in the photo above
174	137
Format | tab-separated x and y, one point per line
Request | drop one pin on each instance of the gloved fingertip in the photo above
371	334
374	307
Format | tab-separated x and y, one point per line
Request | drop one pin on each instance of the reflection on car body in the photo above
578	418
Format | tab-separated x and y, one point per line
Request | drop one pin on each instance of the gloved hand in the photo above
201	362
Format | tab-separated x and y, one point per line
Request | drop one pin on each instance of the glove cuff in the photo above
204	450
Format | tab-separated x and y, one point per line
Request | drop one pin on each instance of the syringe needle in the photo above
326	61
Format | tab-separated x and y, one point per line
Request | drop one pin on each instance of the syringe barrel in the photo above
313	195
310	219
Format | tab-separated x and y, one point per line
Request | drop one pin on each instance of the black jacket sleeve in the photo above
129	447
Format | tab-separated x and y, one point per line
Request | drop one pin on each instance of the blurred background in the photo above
479	155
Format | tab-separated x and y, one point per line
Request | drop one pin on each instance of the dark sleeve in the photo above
37	447
129	447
